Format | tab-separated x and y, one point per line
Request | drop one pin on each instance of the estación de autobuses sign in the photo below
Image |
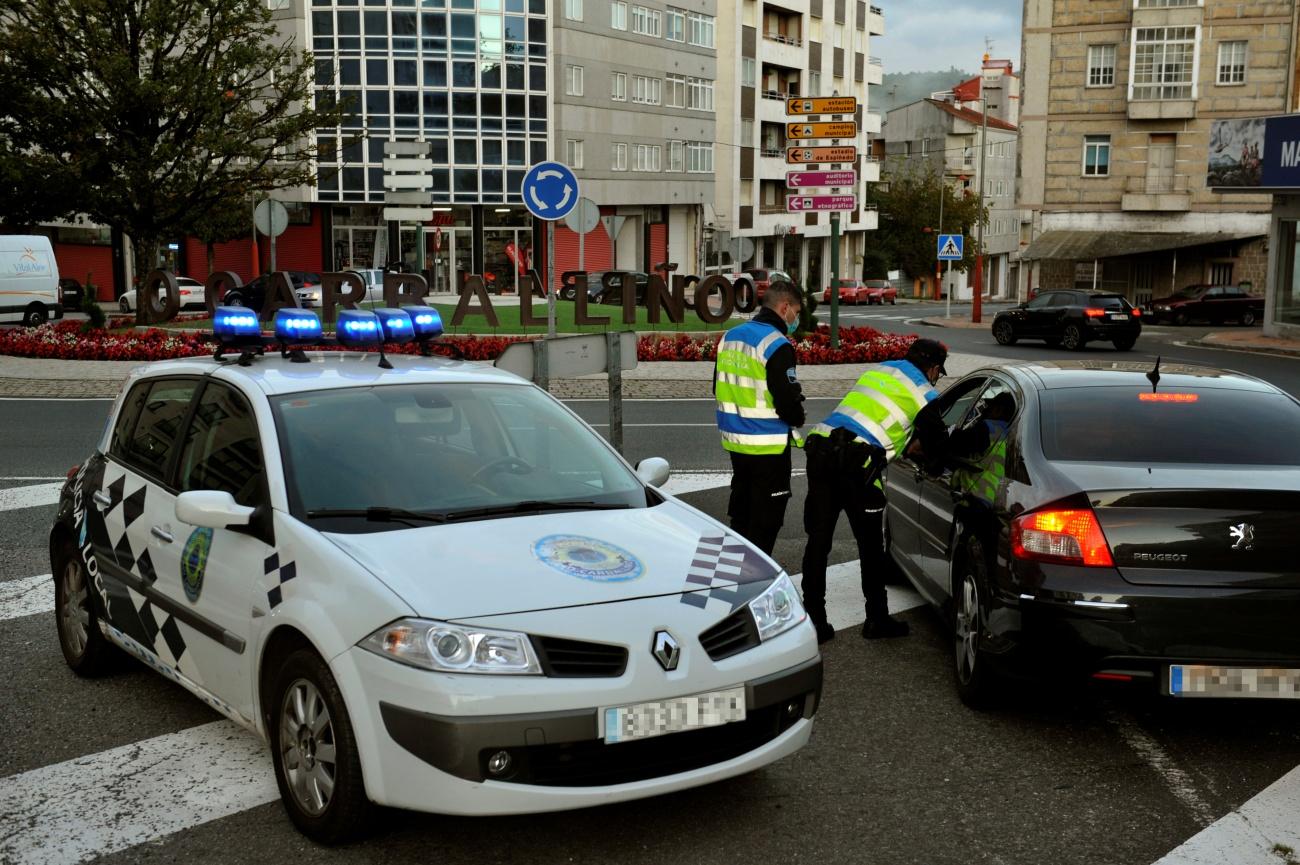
713	299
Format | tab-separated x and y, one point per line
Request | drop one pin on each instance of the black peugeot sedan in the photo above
1071	319
1113	521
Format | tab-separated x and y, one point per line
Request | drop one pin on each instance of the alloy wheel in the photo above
967	630
73	613
1072	338
307	747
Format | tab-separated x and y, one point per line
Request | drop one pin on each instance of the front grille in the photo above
574	659
594	763
733	635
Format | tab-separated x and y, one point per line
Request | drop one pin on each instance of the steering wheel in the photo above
521	467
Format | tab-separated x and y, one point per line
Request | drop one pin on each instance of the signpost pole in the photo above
835	280
979	243
550	280
943	189
272	242
614	365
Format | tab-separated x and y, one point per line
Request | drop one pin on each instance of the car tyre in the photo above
1004	332
1248	318
124	305
232	299
976	683
1180	319
35	316
891	301
1125	344
569	294
1072	338
314	748
84	647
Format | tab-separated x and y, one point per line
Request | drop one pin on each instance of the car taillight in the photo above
1137	313
1094	312
1072	537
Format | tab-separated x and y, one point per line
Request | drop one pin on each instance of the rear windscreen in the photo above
1106	301
1186	425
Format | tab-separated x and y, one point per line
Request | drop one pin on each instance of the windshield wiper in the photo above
381	515
529	507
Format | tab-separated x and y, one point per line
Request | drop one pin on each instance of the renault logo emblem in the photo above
1244	535
666	650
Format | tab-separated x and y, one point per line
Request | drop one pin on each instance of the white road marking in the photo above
36	495
1178	781
845	606
1254	834
31	478
680	483
102	803
57	398
26	597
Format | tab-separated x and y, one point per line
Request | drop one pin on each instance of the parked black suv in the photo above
1071	319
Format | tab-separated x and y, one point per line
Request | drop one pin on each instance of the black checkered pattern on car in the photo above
731	570
277	575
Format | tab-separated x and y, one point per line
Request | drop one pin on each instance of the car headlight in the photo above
447	648
778	609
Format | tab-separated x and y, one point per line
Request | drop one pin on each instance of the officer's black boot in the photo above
880	625
825	633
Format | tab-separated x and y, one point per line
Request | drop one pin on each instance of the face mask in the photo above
792	326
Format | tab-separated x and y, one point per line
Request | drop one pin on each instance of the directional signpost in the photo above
810	127
550	191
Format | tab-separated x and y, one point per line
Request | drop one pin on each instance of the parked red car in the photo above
851	291
1214	303
879	291
763	277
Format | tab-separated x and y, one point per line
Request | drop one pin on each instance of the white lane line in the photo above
31	478
845	606
1178	781
1258	833
57	398
102	803
681	483
36	495
26	597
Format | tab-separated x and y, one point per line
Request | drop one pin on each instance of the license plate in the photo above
657	718
1186	680
1119	316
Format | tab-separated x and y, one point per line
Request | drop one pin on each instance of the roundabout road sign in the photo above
550	190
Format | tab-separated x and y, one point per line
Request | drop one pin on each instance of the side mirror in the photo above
653	471
212	509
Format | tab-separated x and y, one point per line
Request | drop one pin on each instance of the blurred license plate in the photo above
1119	316
627	723
1269	683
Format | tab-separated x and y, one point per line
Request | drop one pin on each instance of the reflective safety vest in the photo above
746	415
882	405
982	481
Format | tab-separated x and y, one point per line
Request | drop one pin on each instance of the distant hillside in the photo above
902	88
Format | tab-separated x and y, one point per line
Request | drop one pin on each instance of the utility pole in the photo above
938	265
979	242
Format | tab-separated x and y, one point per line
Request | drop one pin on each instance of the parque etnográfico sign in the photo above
162	292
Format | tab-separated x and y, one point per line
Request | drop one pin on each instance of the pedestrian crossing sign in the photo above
951	247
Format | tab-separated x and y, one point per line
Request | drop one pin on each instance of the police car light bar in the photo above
297	326
427	322
358	327
233	324
396	325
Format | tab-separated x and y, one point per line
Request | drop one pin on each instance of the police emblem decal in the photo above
588	558
194	562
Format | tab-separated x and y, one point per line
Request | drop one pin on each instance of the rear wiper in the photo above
532	507
381	515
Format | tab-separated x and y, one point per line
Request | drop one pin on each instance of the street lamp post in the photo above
979	242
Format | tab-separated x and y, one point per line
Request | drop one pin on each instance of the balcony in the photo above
871	122
870	219
1157	194
784	39
870	169
1162	109
876	21
787	52
875	71
771	107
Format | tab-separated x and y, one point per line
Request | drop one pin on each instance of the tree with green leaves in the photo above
225	221
147	115
909	219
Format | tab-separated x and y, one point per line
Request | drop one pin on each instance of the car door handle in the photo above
102	500
162	534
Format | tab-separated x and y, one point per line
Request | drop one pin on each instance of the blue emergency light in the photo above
235	324
358	327
396	325
426	320
297	326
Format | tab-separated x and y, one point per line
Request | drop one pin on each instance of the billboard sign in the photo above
1257	154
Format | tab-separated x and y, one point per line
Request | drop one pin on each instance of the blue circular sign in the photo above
550	190
588	558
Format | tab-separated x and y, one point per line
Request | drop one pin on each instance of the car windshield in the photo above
442	449
1191	291
1211	426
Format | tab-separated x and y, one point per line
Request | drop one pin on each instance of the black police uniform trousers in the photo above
839	479
760	491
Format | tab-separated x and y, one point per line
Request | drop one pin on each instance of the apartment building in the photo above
1119	97
769	50
635	119
946	137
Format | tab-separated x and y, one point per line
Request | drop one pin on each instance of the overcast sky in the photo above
935	35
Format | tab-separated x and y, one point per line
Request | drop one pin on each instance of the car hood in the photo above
570	559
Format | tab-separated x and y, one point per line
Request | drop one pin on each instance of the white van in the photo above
29	280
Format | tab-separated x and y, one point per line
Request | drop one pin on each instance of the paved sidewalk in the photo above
33	377
963	323
1249	339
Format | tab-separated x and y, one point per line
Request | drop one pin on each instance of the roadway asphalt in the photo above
899	771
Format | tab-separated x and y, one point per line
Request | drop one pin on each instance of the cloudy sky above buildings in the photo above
928	36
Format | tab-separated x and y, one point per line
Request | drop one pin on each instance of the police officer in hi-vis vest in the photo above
847	454
760	407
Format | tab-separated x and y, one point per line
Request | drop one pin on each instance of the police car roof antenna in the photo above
1154	375
383	358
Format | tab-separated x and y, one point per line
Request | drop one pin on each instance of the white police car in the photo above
430	586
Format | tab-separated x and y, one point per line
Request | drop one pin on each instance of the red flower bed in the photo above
857	345
66	340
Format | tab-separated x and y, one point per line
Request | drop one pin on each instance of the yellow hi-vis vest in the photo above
746	416
982	481
880	408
